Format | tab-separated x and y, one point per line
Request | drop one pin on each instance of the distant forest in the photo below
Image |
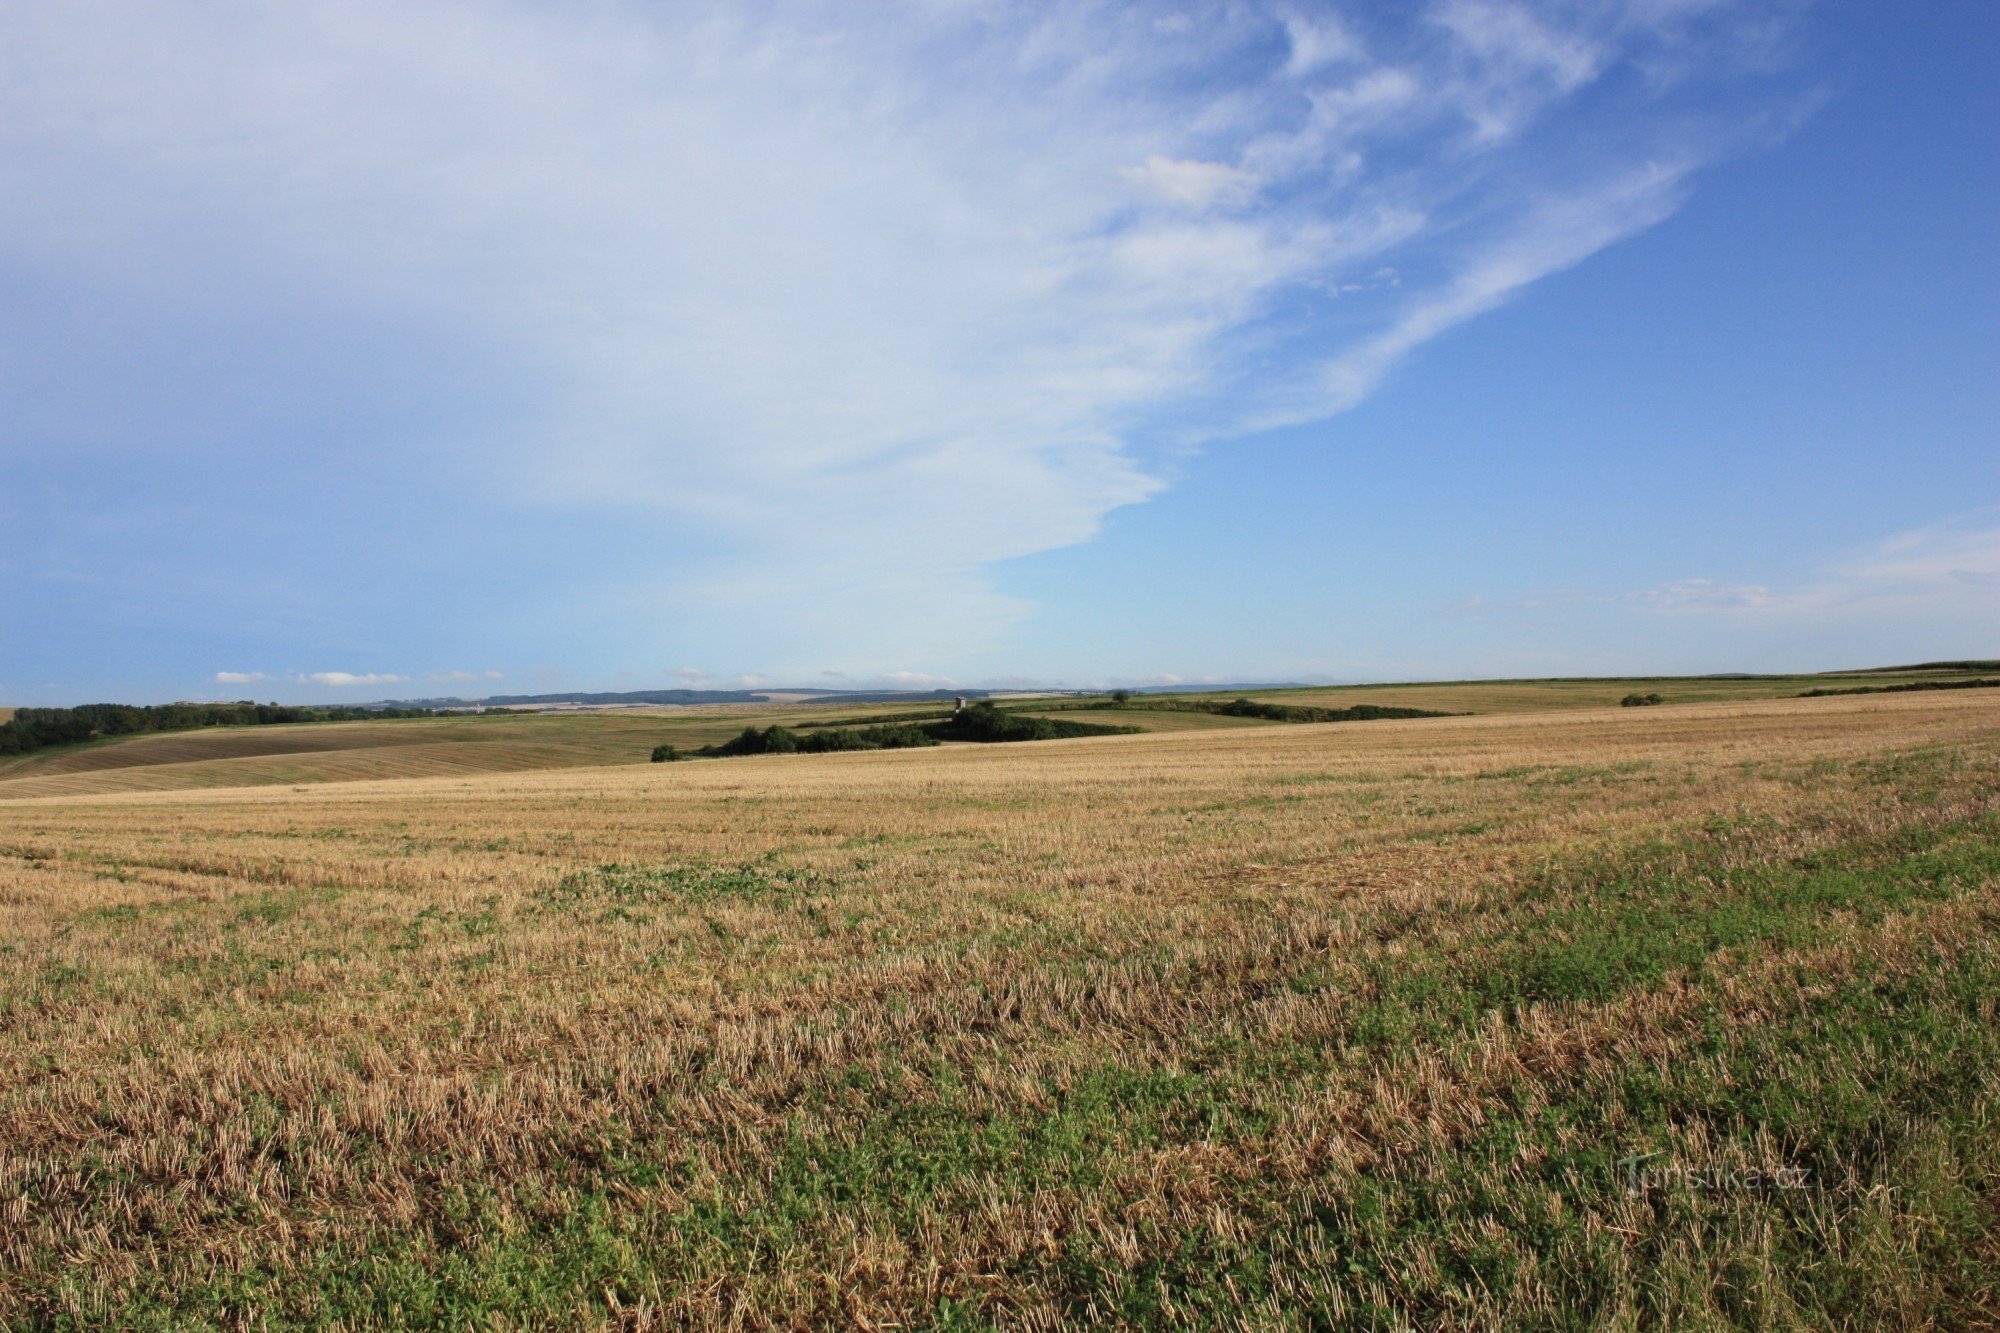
38	728
1905	688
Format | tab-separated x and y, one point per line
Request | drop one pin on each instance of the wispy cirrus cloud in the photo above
875	297
1954	562
1945	573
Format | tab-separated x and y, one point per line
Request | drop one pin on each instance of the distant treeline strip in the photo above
1292	712
980	722
38	728
1982	684
1248	708
885	719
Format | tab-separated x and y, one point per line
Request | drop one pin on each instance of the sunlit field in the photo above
459	745
1583	1016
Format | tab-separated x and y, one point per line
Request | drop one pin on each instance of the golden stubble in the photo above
213	996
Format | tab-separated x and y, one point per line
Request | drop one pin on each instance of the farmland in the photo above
1514	696
1557	1015
464	745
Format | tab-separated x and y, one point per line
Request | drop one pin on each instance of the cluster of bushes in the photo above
783	740
980	722
38	728
1985	684
1307	713
1640	700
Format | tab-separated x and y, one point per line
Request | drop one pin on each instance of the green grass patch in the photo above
634	884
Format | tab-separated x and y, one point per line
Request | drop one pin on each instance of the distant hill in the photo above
465	743
776	693
1986	665
682	697
686	698
1202	687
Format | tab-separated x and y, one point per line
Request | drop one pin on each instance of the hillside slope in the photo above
307	754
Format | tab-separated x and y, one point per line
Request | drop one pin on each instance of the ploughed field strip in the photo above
1587	1018
194	747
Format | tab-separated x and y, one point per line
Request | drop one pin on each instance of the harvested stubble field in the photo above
1513	696
1591	1018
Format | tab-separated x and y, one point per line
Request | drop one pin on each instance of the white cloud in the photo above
1511	60
875	296
1955	559
239	677
1945	574
1946	571
1704	595
890	680
346	678
1316	41
1194	184
916	680
1557	235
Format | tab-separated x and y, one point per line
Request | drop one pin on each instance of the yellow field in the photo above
453	746
1263	1025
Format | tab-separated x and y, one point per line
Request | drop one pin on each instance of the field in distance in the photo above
1514	696
446	746
462	745
1676	1016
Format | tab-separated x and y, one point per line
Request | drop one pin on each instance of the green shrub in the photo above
665	754
876	738
864	738
773	739
1305	712
1641	700
980	722
984	723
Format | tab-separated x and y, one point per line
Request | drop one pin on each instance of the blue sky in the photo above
351	351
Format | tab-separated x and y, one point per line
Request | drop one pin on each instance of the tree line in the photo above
1266	711
38	728
980	722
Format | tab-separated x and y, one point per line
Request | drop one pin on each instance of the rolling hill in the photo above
461	745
